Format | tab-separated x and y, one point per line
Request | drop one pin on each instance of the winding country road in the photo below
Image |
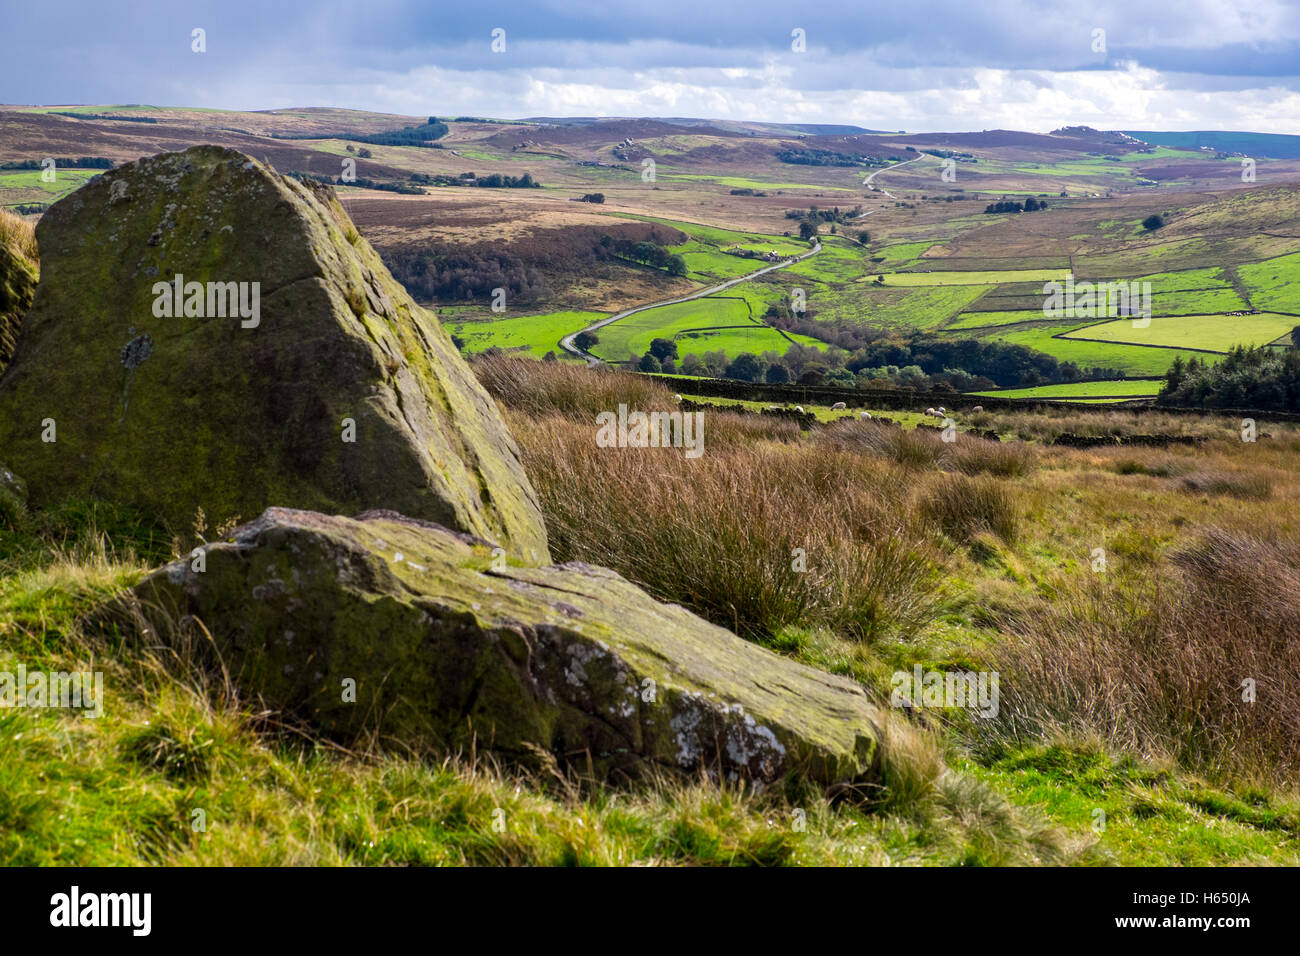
567	343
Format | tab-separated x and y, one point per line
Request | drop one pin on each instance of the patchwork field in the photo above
1116	389
535	334
904	254
1211	333
701	325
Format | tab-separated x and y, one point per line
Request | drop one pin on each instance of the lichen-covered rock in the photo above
234	414
18	274
448	646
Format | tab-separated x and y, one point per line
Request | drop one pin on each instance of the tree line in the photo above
62	162
1247	377
1010	205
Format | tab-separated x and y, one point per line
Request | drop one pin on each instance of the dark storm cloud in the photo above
409	55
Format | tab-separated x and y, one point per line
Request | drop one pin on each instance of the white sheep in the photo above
865	415
977	408
942	410
799	409
677	398
931	412
838	406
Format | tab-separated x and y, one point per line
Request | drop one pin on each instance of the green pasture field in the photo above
1180	255
704	255
25	185
1135	360
1113	388
724	238
901	252
979	320
699	326
1189	303
536	334
1274	283
840	260
918	307
1214	333
973	278
759	339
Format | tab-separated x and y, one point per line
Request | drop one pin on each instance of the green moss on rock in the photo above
451	648
18	275
174	414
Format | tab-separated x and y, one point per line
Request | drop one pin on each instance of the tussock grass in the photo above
541	387
18	233
1237	485
754	538
973	456
963	507
1156	665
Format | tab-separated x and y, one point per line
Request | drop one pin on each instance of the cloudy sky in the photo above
919	65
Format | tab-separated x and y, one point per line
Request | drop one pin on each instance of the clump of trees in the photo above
423	135
1153	222
361	182
826	157
912	361
1010	205
645	252
834	214
463	276
1261	378
495	181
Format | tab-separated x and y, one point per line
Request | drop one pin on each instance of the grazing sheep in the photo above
865	415
977	408
677	398
942	410
838	406
799	409
931	412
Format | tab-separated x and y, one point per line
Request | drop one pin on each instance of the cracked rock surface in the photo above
446	645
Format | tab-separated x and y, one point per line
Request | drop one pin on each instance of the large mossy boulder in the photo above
340	395
18	274
387	624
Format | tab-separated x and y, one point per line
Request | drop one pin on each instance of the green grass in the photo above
919	307
976	320
901	252
536	334
1274	283
1215	333
1129	359
1116	388
972	278
1147	816
693	325
26	185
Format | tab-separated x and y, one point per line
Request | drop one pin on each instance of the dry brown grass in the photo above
18	233
755	538
573	390
1158	664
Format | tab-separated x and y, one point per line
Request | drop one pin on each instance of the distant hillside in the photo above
733	126
1274	145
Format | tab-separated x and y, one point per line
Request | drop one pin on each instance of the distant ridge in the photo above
1273	145
810	129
